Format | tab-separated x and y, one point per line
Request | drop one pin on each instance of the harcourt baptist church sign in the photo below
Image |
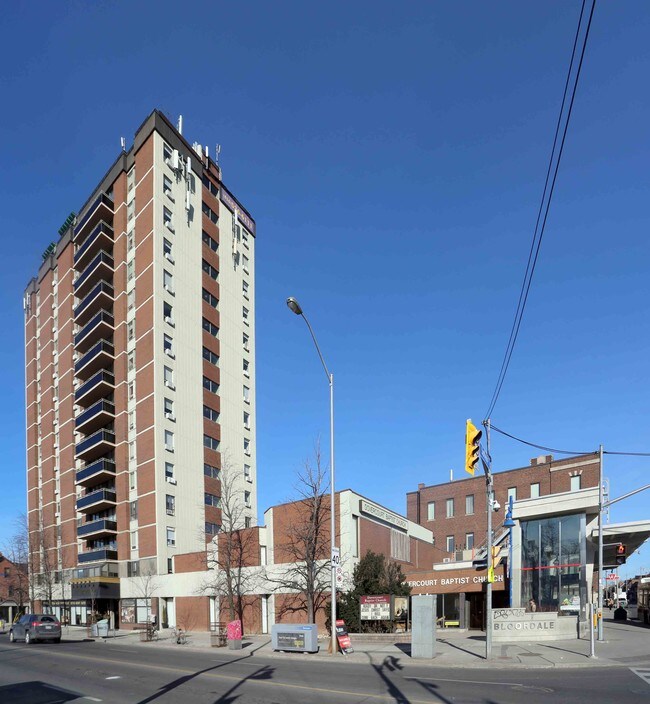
453	581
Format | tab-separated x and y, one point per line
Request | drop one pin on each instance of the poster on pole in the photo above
342	637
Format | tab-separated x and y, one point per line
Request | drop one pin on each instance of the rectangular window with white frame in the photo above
469	505
247	499
168	378
168	281
247	473
167	250
450	508
247	446
170	504
247	420
169	440
431	511
169	470
171	537
168	345
247	394
167	219
534	490
512	493
575	483
469	541
167	186
451	544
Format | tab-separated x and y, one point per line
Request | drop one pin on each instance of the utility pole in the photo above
601	569
489	495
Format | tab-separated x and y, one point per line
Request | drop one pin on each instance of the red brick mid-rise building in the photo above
455	511
14	588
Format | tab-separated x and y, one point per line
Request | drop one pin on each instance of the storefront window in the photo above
553	563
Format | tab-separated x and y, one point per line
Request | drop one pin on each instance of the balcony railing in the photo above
100	209
101	384
108	569
98	415
102	262
103	292
97	444
97	555
96	472
96	499
100	237
100	324
99	356
96	528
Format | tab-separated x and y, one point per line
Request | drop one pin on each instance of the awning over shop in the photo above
632	535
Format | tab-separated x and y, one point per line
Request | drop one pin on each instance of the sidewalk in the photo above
625	644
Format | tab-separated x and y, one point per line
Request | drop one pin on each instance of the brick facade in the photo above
553	477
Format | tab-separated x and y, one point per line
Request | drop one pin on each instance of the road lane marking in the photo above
546	690
114	677
93	699
643	673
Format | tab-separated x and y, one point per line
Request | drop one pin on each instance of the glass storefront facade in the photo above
553	571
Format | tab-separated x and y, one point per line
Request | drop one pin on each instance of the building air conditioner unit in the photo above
169	321
170	354
447	559
170	416
170	480
168	289
169	257
169	385
57	514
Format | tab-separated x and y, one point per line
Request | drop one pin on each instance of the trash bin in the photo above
94	631
102	628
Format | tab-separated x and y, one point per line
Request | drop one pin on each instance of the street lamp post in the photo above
294	307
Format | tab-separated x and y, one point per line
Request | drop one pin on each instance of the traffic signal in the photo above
621	554
472	450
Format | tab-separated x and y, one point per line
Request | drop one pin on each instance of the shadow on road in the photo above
264	672
36	692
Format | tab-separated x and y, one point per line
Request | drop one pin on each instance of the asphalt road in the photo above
122	674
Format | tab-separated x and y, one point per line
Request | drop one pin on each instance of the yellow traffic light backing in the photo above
472	450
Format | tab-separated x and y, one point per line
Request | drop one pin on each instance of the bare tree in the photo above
234	549
17	552
305	573
147	583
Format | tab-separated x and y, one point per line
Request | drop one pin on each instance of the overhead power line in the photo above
542	447
545	203
566	452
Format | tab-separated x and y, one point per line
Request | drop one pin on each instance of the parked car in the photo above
34	627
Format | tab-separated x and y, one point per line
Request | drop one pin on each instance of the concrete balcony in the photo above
99	415
96	445
100	238
100	555
96	501
100	268
100	356
100	297
97	387
98	328
101	208
96	472
97	529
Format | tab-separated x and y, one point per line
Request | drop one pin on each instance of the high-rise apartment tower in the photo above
140	382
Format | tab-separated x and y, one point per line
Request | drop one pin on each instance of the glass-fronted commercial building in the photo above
553	563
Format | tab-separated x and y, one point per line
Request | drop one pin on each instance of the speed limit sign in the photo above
336	557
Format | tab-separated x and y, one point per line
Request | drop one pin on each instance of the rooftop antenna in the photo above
180	124
217	151
123	143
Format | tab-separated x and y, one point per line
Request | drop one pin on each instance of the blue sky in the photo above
394	164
